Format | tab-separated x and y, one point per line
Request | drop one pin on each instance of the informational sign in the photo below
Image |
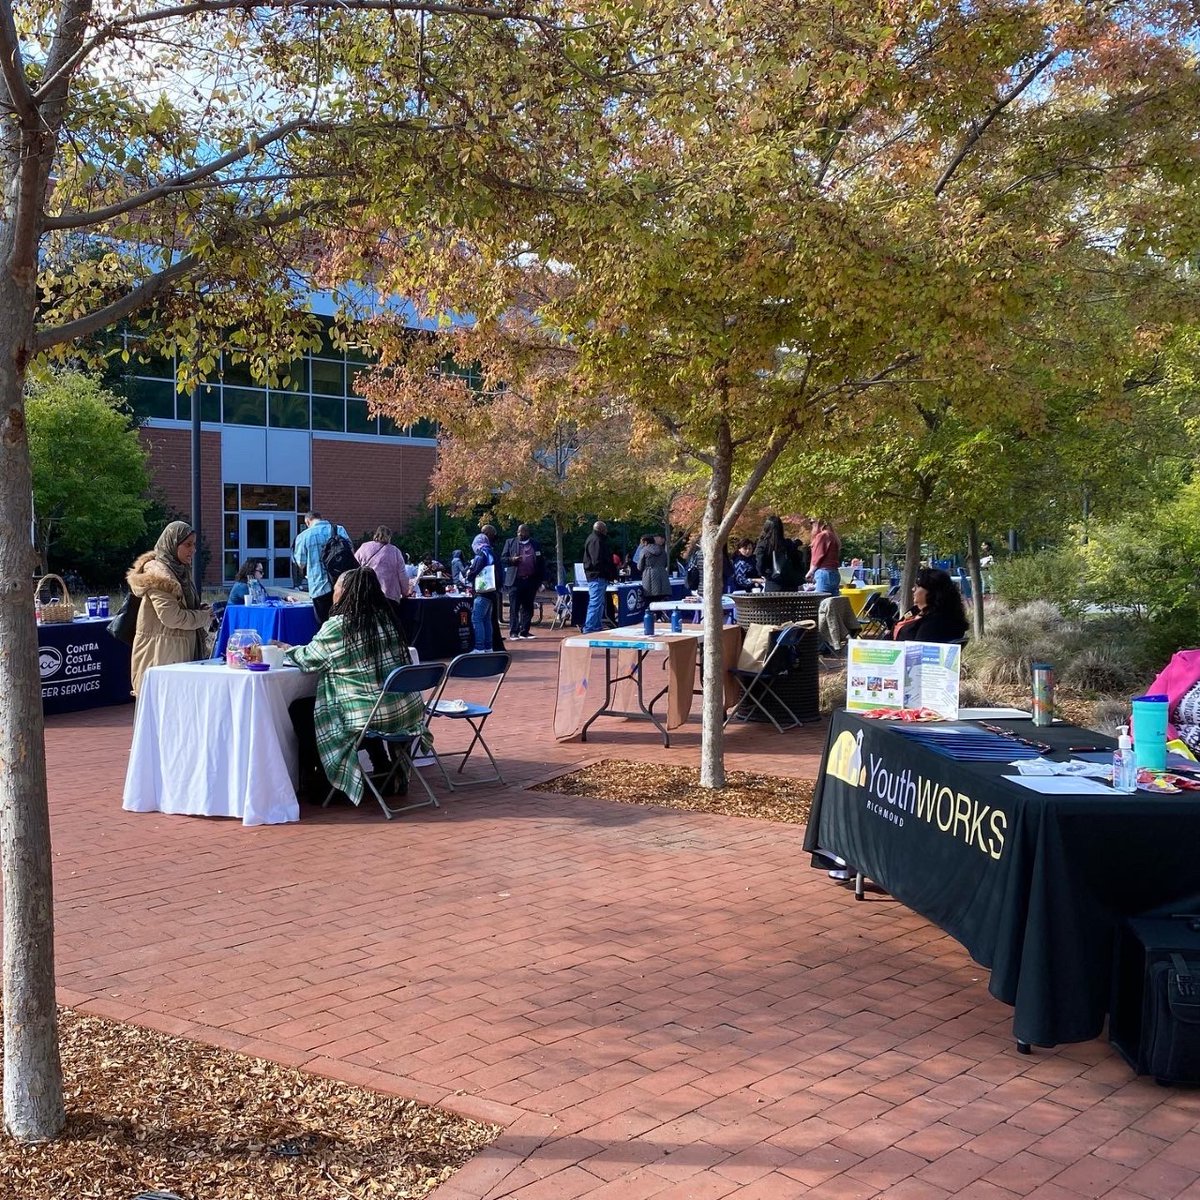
81	666
903	675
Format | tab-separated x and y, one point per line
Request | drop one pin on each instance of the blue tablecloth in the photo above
82	666
629	598
295	624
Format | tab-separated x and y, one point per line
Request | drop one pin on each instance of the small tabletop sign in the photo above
903	675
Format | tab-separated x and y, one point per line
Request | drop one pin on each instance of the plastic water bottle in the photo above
1124	763
37	607
258	593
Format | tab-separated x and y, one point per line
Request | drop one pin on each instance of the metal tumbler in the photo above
1043	693
676	621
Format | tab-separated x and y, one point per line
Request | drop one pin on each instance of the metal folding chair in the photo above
758	685
416	678
493	665
562	607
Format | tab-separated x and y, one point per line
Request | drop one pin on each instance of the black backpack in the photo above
337	556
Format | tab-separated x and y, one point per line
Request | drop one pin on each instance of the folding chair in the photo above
878	617
758	685
493	665
562	607
415	678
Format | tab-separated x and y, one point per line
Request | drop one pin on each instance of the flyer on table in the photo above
903	675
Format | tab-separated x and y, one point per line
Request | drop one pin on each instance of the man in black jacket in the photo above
599	570
524	572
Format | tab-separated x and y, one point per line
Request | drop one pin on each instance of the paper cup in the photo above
1150	732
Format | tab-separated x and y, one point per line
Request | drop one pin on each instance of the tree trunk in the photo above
912	560
976	576
712	716
558	550
33	1100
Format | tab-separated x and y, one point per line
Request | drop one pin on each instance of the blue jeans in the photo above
597	592
828	580
481	621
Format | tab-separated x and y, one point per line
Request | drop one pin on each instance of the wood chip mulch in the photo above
148	1112
746	794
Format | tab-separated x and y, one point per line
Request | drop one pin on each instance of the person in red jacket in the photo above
826	554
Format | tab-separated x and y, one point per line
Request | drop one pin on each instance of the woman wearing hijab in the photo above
353	653
172	624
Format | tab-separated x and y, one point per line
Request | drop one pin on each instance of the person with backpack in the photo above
324	551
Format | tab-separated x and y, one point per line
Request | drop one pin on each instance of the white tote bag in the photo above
485	581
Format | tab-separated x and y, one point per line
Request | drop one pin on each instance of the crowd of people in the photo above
358	594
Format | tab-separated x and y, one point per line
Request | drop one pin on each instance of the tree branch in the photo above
115	28
152	287
77	220
978	128
12	66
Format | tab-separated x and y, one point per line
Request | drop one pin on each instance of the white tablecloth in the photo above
209	741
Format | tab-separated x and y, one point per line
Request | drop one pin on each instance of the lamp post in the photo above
197	561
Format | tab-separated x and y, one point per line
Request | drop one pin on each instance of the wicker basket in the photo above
57	612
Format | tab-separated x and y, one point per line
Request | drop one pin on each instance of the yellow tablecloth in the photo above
858	595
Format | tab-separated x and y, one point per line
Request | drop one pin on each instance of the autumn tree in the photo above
175	167
528	460
842	205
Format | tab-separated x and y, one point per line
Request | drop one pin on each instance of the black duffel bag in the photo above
1171	1031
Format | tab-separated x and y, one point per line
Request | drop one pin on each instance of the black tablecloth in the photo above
82	666
1032	885
438	626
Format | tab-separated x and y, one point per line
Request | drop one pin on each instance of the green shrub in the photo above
1054	575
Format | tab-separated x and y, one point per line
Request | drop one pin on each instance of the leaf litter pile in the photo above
746	794
148	1112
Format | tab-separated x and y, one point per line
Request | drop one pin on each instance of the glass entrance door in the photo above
268	537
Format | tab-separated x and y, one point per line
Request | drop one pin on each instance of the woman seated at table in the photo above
937	613
354	652
172	621
244	590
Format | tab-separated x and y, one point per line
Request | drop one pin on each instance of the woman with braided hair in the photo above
354	652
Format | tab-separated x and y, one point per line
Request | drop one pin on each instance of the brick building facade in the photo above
270	454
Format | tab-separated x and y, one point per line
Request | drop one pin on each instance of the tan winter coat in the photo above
166	630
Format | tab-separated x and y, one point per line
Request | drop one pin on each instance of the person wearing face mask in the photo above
937	614
173	621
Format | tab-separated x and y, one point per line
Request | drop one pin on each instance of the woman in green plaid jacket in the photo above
354	650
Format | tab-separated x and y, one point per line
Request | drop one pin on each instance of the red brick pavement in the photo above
652	1003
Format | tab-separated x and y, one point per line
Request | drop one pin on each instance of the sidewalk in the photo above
652	1002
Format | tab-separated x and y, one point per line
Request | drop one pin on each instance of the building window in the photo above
358	420
328	377
329	413
243	406
289	410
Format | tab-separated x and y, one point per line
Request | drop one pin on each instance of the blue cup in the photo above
102	610
93	606
1150	732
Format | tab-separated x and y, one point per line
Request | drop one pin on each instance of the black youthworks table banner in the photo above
438	626
82	666
1031	884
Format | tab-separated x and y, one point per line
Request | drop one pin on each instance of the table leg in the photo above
605	710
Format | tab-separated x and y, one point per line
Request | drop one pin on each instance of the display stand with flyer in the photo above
903	676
